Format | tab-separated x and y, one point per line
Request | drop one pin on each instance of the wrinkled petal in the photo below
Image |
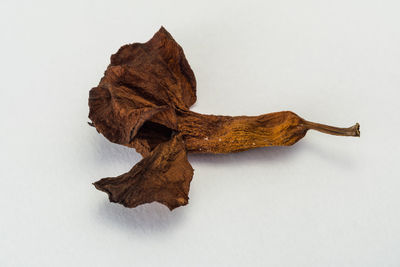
162	59
144	82
163	176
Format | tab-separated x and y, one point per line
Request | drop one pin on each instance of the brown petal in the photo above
163	176
161	62
144	82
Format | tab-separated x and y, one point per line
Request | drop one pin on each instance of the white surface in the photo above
327	201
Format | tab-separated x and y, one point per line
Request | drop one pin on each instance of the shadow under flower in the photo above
155	217
152	217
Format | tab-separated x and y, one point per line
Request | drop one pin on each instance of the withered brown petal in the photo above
158	66
144	82
163	176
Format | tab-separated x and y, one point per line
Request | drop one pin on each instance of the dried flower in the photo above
143	102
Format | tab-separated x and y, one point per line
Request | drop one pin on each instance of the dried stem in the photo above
350	131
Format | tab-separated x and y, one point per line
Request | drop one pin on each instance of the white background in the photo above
327	201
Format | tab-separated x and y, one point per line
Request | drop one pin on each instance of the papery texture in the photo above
163	176
144	83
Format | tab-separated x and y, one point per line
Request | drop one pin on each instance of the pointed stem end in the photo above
350	131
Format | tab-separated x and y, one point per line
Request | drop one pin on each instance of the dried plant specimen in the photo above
143	101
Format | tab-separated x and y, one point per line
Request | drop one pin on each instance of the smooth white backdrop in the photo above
327	201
